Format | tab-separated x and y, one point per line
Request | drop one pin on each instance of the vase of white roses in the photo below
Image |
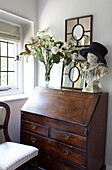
49	51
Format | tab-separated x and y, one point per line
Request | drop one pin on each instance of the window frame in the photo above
7	57
11	89
25	84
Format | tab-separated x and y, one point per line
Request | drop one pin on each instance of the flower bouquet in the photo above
49	51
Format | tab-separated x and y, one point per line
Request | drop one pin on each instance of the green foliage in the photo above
56	58
39	53
49	50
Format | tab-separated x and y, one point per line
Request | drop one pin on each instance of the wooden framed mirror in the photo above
71	76
78	30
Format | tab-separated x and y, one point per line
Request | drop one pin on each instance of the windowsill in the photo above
13	97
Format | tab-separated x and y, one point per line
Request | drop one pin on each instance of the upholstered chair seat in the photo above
15	155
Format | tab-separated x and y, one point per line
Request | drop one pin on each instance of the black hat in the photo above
97	49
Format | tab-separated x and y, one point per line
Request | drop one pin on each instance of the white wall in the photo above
52	14
25	9
15	117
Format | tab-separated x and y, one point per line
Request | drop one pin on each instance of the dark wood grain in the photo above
70	138
51	162
67	152
71	128
97	135
62	105
4	125
50	122
35	127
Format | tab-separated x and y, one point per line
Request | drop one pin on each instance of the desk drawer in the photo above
68	138
59	149
50	162
35	127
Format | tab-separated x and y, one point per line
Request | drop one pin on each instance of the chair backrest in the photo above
4	125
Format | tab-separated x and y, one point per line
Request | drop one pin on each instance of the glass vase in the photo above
47	84
47	76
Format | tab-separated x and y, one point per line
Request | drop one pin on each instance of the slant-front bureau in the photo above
68	127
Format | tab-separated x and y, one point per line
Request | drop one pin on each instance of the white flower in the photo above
45	36
67	46
57	45
54	50
74	56
69	54
36	39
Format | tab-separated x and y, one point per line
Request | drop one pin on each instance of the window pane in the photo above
8	67
3	49
10	64
10	78
3	79
11	50
3	64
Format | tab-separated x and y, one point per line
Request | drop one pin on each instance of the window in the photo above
9	49
8	66
15	77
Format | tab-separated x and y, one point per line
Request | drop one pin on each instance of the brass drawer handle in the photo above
66	152
49	157
85	132
34	126
49	141
66	136
33	140
65	168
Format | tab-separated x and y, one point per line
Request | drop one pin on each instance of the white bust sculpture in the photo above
94	68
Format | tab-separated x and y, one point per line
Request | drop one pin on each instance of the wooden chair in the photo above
14	155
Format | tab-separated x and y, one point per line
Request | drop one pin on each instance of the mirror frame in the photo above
72	82
77	20
77	76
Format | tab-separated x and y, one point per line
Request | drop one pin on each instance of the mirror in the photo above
71	77
74	74
77	32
